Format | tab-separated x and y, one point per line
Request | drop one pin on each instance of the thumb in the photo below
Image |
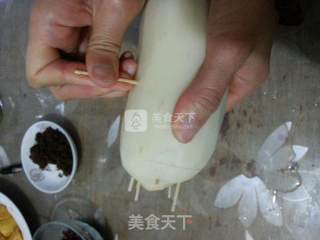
200	100
111	18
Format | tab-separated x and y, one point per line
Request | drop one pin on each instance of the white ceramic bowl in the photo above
50	180
16	214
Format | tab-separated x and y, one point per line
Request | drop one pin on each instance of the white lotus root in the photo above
173	45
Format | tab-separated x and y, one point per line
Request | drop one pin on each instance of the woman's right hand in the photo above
90	31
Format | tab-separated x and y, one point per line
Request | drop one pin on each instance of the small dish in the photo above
50	180
55	230
17	216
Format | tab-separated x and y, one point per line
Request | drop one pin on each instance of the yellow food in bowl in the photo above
9	229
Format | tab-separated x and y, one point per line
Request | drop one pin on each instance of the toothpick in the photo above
169	191
136	197
81	72
131	184
123	80
175	198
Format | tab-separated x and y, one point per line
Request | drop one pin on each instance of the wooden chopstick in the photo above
85	73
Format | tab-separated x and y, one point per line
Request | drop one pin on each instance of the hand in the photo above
82	30
237	60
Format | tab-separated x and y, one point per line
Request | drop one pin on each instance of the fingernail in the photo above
185	135
185	129
103	74
130	69
127	55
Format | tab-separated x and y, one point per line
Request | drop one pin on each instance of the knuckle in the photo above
57	94
131	6
261	73
228	49
103	44
264	72
51	19
208	99
136	4
33	81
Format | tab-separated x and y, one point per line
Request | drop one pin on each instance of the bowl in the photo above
54	230
17	216
50	180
